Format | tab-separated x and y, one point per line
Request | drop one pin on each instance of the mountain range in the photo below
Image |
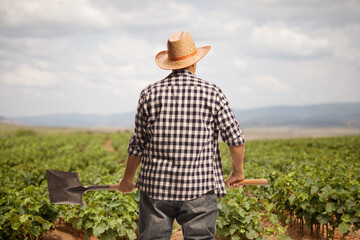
319	115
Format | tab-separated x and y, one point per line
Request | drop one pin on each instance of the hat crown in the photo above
180	44
181	52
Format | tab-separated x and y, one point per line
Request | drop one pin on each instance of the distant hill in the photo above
7	120
320	115
124	120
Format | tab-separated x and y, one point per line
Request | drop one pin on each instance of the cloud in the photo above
127	49
239	63
310	14
49	18
119	60
285	42
156	13
102	51
345	43
246	89
270	83
46	18
26	76
66	11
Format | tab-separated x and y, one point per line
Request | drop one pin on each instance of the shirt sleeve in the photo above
227	124
139	138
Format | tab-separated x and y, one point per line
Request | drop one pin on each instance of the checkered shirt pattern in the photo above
176	134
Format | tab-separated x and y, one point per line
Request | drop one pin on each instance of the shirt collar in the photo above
181	71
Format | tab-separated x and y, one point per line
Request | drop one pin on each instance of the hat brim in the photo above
162	59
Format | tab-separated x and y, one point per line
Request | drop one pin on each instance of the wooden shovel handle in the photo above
114	186
259	181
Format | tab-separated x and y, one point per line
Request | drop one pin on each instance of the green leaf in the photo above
233	229
346	218
304	205
235	237
309	182
344	228
350	203
314	189
292	198
99	229
269	207
270	230
327	190
358	212
283	237
114	205
112	223
121	231
251	234
304	196
330	207
15	224
23	218
110	236
323	219
273	218
131	234
88	225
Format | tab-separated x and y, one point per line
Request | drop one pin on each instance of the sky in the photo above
95	56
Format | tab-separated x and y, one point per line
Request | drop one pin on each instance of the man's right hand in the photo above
234	181
126	186
237	158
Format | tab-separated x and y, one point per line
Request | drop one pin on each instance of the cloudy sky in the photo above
95	56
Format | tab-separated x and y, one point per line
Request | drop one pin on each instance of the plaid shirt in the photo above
176	133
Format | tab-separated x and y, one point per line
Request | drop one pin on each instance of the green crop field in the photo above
314	183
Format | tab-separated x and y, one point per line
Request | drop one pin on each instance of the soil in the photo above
65	231
294	232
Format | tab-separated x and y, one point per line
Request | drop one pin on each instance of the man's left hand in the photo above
234	181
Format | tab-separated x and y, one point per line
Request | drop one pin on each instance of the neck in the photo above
191	68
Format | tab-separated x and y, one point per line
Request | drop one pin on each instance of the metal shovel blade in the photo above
59	183
65	187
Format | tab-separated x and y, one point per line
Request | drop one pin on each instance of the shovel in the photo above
65	187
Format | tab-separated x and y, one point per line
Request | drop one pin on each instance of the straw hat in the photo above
181	52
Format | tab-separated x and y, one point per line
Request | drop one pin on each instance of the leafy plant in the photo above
312	182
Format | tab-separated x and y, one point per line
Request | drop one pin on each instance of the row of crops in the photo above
312	182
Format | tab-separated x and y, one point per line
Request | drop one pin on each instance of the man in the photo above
177	126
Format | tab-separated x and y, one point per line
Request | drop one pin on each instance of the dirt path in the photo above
65	231
177	232
108	145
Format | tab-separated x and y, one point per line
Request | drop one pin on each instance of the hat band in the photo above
183	57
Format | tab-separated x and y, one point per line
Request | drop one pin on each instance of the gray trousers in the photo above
197	217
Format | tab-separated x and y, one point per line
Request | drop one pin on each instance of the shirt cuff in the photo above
134	150
236	138
236	142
